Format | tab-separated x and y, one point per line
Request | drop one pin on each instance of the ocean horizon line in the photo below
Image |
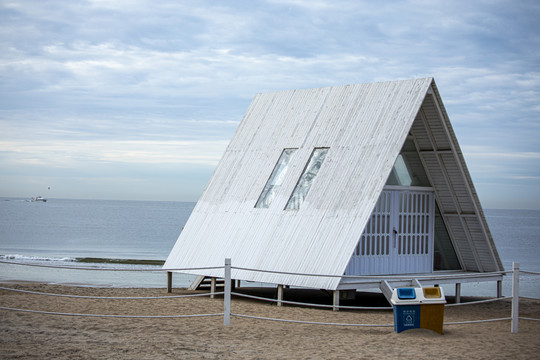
29	198
194	202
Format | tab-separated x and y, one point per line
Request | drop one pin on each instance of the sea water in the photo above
138	235
124	235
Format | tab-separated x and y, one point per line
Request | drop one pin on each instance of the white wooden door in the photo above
398	239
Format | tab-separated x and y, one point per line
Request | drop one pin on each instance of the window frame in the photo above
295	201
271	187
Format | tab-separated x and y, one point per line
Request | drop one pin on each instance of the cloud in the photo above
140	82
488	153
74	153
525	177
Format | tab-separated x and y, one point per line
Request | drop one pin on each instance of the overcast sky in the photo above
138	99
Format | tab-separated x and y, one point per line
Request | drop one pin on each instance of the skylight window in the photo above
276	179
306	180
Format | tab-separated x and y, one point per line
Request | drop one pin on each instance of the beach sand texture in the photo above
39	336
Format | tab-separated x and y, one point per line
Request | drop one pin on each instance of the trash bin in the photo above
406	305
418	308
432	309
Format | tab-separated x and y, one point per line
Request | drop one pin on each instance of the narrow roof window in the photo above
276	179
306	180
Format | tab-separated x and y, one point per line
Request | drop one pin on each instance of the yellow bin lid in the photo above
432	292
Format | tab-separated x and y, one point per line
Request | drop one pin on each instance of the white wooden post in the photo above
515	297
458	293
336	300
227	293
212	287
279	295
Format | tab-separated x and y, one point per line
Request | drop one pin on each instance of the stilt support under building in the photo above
169	281
212	287
336	300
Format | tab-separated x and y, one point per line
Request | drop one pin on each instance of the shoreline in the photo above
32	335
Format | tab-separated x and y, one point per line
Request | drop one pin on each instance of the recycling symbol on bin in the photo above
408	320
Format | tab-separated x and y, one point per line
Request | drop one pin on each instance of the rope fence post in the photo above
227	293
515	297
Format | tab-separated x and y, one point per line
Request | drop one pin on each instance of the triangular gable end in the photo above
357	130
456	196
395	240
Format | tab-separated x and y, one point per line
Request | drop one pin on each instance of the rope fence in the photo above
311	304
228	293
529	272
375	277
358	277
110	315
345	307
477	321
310	322
527	318
479	301
113	297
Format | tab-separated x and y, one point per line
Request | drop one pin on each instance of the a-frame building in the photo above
361	179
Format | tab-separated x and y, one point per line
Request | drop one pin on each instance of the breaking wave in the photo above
80	260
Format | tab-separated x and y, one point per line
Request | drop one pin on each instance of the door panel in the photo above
398	238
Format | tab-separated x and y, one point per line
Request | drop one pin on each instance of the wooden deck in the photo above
387	283
428	279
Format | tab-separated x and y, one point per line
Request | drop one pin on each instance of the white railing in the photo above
228	293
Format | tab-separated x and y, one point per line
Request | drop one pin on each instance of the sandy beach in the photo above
29	335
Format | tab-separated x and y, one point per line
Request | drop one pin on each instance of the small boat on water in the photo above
39	198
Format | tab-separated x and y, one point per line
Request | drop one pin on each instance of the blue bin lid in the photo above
406	293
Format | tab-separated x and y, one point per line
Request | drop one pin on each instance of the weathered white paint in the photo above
364	127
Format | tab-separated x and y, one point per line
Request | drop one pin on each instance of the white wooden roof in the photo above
364	126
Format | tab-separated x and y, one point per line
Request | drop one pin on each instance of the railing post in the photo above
227	293
515	297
